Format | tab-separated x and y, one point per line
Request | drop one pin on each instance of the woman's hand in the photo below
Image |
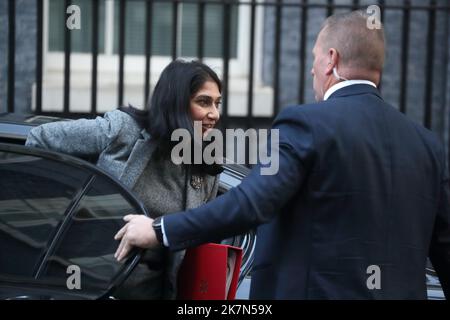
138	232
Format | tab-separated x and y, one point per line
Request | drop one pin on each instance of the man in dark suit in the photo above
360	200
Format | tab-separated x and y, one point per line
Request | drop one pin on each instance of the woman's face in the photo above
205	106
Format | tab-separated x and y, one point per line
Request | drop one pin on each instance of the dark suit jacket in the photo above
359	184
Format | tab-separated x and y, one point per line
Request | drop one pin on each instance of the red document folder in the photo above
203	274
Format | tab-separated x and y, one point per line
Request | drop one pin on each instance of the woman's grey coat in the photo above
124	150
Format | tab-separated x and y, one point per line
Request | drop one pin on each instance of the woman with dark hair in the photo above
134	146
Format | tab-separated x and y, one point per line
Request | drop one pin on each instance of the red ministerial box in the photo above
209	272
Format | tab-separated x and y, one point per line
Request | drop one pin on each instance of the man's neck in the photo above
344	84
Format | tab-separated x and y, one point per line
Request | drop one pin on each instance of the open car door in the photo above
58	217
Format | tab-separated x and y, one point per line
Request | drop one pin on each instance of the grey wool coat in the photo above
126	151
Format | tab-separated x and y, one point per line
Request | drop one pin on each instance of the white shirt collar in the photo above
344	84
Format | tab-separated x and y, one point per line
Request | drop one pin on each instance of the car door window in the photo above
88	241
34	195
56	213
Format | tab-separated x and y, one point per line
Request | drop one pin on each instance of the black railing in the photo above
302	55
148	47
95	22
175	10
405	55
226	59
201	30
11	53
304	7
251	66
67	60
122	8
39	53
429	65
276	74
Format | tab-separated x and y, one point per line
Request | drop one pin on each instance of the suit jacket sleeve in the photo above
440	242
80	137
258	198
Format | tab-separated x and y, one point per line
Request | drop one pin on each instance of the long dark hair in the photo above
169	107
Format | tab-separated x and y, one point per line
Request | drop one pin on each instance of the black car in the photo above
58	201
58	216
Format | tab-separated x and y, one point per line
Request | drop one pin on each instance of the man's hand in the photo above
138	232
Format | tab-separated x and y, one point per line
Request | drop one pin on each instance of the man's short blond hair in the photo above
358	46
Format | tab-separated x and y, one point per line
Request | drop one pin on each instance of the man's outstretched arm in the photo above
255	201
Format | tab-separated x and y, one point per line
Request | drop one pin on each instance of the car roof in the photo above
17	126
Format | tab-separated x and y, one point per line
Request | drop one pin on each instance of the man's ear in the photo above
333	58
